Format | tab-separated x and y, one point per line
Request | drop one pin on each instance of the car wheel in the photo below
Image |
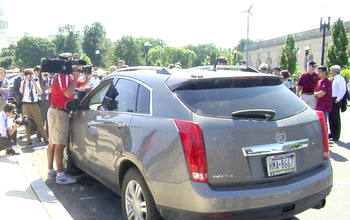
68	165
137	201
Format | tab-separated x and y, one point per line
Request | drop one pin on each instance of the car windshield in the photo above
223	97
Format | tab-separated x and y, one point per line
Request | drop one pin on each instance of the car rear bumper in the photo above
191	200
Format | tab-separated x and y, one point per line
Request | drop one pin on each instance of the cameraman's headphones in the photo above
9	107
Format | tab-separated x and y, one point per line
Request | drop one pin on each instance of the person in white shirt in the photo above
95	80
338	92
7	129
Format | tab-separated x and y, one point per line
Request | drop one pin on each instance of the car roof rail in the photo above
159	69
228	67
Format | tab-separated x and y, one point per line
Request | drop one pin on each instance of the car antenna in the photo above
216	62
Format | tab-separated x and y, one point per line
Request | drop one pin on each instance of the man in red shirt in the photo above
323	92
307	84
58	118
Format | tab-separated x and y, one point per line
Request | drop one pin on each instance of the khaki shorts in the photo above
58	126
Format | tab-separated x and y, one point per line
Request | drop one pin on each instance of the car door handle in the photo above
121	125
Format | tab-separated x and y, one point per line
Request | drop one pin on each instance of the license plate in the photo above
281	164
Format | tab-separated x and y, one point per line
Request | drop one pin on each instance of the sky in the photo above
179	23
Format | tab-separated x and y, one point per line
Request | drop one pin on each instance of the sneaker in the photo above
66	179
11	152
51	175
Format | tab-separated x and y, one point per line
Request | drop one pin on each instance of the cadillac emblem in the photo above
281	136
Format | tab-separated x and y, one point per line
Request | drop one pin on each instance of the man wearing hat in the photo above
95	80
307	84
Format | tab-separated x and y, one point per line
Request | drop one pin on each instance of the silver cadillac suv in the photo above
198	144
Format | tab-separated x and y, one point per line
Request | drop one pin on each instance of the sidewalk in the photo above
23	194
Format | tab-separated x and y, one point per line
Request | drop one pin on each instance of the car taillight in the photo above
326	153
193	145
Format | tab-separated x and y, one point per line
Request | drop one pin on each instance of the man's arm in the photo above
37	87
86	82
72	86
298	90
320	94
13	129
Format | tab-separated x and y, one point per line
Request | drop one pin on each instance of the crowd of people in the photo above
323	94
319	91
43	97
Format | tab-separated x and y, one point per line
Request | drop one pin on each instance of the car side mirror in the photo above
73	105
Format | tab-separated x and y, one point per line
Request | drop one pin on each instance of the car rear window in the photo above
221	97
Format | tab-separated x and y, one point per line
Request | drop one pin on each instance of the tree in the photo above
337	52
242	43
67	40
129	49
7	56
106	52
86	58
289	55
206	54
93	37
163	56
30	51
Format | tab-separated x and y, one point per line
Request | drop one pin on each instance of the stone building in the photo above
309	44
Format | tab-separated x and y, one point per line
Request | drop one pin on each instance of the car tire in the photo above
141	206
68	165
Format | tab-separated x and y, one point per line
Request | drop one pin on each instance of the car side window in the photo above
95	102
143	100
127	96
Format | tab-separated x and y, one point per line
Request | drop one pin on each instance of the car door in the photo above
84	135
113	127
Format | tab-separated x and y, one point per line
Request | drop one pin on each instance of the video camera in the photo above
21	119
65	63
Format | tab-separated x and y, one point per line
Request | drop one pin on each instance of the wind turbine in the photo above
248	13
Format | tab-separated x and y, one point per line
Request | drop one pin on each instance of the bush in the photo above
346	73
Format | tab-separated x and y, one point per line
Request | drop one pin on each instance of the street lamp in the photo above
234	57
323	27
307	49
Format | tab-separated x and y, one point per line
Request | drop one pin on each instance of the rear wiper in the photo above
265	114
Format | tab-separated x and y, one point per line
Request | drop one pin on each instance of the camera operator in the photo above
7	130
62	90
30	88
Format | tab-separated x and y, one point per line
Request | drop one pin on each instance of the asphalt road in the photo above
89	199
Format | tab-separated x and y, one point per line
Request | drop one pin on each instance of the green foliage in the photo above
288	60
337	52
242	43
30	51
129	49
107	53
67	40
163	56
346	73
6	62
7	56
206	54
93	38
86	58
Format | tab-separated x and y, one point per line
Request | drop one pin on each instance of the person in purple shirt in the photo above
323	92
